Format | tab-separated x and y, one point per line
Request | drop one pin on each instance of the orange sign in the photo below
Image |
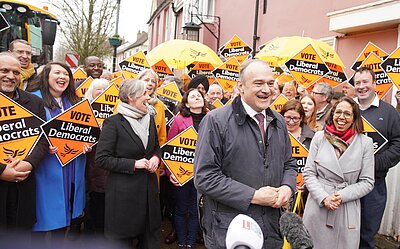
237	48
79	74
19	130
204	68
71	129
178	155
307	66
162	69
133	65
278	103
81	90
391	66
383	82
170	91
300	153
217	103
369	48
378	139
117	81
227	74
103	106
335	76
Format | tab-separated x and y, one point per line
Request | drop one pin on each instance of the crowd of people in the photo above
120	190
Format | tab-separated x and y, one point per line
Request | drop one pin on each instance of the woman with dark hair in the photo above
338	172
294	115
192	110
60	189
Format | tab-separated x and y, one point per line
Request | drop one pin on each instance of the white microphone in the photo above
244	233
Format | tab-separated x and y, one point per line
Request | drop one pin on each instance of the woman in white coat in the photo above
339	171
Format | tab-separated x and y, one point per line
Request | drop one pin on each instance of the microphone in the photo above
291	226
244	233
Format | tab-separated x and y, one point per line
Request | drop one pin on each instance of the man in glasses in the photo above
22	50
386	120
322	94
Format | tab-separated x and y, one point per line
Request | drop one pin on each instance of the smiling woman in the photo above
57	209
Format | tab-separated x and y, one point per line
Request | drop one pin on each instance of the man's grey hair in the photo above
325	89
131	88
244	66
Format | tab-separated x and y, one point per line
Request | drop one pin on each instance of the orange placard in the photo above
237	48
203	68
178	155
79	74
217	103
307	66
383	82
335	76
81	90
300	153
133	65
378	139
19	130
117	81
369	48
162	69
170	91
391	66
71	129
103	106
278	103
227	74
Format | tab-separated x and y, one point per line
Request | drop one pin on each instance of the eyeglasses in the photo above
346	115
294	119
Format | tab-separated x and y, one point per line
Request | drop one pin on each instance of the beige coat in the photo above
352	175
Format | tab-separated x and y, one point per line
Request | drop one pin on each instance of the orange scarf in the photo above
25	75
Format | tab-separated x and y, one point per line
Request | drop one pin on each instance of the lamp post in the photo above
115	41
192	31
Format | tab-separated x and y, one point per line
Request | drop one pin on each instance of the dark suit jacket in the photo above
131	195
26	211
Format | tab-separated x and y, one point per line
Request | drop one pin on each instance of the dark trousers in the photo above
372	209
186	216
96	212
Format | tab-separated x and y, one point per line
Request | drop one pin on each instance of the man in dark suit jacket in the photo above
17	183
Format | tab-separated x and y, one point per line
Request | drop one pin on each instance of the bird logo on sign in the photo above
12	153
68	150
183	172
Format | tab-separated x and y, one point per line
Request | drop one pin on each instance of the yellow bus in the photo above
31	23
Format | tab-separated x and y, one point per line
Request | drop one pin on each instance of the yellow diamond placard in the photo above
170	91
237	48
300	153
229	102
378	139
79	74
391	66
133	65
81	90
307	66
117	81
217	103
103	106
19	130
278	103
178	155
383	82
369	48
227	74
71	129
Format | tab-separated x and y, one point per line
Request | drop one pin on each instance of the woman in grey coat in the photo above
339	171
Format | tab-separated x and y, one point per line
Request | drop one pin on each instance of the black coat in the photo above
131	195
26	212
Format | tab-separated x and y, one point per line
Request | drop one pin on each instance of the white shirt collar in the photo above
250	111
375	102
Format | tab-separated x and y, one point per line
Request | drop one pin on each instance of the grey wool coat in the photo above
351	175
